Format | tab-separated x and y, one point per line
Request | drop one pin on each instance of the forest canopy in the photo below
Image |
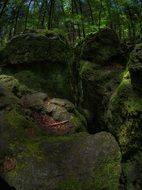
73	18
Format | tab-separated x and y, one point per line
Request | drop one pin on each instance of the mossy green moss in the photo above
17	120
31	79
124	116
32	48
79	121
71	184
55	80
102	178
67	163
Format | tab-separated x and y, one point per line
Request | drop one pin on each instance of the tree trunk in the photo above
82	20
100	15
51	8
26	19
91	11
132	28
3	8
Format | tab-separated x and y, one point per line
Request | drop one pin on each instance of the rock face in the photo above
32	48
124	118
133	172
97	85
41	59
135	67
99	74
77	162
101	47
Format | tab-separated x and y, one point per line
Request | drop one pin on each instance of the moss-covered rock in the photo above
97	74
12	85
40	61
80	162
62	110
31	158
135	67
31	79
133	172
14	127
20	103
101	47
31	48
124	117
53	82
97	84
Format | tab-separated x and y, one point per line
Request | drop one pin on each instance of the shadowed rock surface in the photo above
135	67
77	162
101	47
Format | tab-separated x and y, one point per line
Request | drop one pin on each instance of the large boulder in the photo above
124	117
32	48
101	47
97	84
98	74
40	61
135	67
80	161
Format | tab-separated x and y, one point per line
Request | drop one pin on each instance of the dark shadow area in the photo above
4	185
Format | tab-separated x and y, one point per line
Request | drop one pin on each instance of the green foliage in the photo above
75	18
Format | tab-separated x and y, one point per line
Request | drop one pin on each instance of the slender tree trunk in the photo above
78	25
91	11
132	28
66	24
26	19
17	16
3	8
72	23
16	21
109	13
82	20
44	9
52	2
100	15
